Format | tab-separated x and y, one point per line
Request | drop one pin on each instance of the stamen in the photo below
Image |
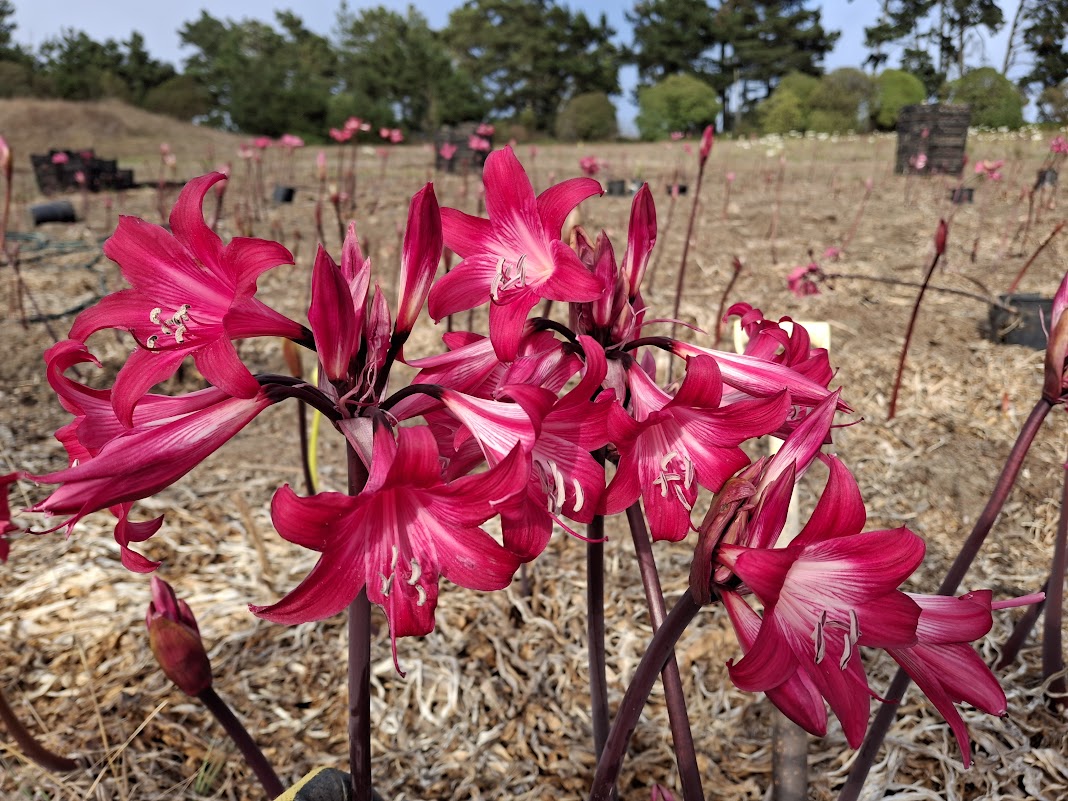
150	343
682	499
179	334
558	481
579	495
417	571
819	637
154	315
387	584
393	561
421	595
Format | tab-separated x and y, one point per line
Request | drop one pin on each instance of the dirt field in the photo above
493	705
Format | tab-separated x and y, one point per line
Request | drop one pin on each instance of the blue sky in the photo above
159	22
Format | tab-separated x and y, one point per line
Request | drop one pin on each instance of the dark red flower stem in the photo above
251	752
595	626
29	745
359	665
1019	276
678	717
908	333
1052	639
736	268
656	656
885	716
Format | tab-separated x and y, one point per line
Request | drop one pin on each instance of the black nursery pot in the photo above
56	211
284	194
1047	177
617	188
682	189
1024	327
962	194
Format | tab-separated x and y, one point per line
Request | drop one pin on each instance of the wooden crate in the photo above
939	132
99	173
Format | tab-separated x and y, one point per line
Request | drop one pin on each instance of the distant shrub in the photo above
995	101
181	97
842	101
677	103
782	112
800	85
1053	104
895	89
589	117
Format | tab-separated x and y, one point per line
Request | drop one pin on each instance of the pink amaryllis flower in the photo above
447	151
153	454
515	258
191	296
991	170
403	531
803	280
670	445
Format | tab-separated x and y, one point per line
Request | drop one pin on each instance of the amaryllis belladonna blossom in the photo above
191	296
175	640
399	535
515	258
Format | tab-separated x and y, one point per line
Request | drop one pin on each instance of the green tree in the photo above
842	102
1045	38
76	66
396	70
783	112
995	101
531	56
677	103
590	117
895	89
261	79
1053	104
181	97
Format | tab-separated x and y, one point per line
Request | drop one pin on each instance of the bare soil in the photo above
493	704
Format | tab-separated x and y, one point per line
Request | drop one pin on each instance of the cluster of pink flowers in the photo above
509	427
590	165
392	135
991	170
1059	145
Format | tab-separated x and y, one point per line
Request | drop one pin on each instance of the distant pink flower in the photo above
515	258
485	130
191	296
341	134
1058	145
803	280
79	178
398	536
730	177
447	151
353	124
918	162
291	142
707	139
990	170
262	142
396	136
677	135
164	149
478	143
320	165
832	253
5	159
60	158
244	151
590	165
687	148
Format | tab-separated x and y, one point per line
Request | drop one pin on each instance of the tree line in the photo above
543	68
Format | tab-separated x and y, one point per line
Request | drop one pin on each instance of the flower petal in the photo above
556	202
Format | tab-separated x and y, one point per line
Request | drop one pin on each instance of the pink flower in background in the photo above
405	530
175	640
677	135
191	296
802	280
515	258
485	130
262	142
79	178
354	124
6	164
1058	145
291	142
590	165
990	170
730	177
687	148
396	136
707	140
918	162
164	149
341	134
320	165
447	151
831	253
478	143
60	158
244	151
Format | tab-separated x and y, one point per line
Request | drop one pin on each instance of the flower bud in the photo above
175	640
940	237
6	164
707	138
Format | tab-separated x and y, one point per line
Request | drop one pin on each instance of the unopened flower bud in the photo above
6	163
940	237
707	138
175	640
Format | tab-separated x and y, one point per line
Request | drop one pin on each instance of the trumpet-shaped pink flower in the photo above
447	151
191	296
673	444
152	455
398	536
802	280
515	258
